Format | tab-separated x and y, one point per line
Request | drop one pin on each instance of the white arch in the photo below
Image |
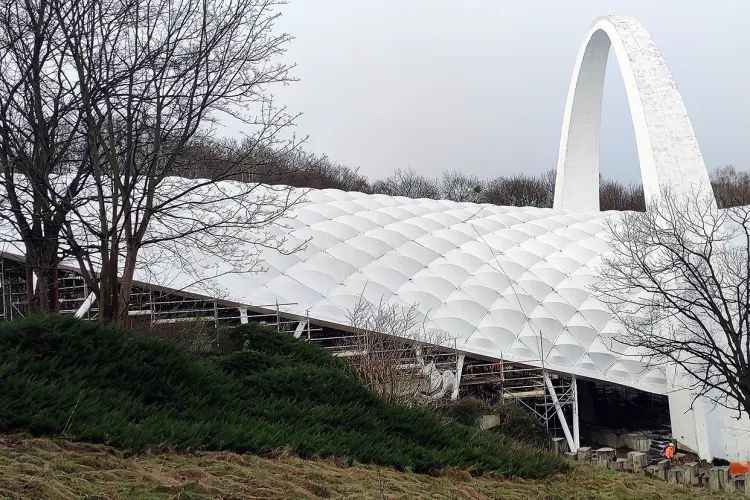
667	148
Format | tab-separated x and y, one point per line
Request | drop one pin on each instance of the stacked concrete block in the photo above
730	486
584	454
559	445
637	442
676	475
718	477
739	483
637	462
662	467
619	464
690	474
604	456
571	455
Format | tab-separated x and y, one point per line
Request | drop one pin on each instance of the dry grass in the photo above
43	468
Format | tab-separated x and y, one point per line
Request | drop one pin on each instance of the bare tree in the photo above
40	142
152	78
614	195
731	186
521	190
459	187
408	183
397	357
319	172
678	280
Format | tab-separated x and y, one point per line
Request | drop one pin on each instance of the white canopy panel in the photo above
505	282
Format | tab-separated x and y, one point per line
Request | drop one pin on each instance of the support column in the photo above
81	312
560	414
701	428
459	371
576	424
278	317
243	315
300	328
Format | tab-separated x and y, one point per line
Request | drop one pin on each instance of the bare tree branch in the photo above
678	279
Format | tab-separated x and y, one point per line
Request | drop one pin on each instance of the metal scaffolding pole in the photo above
576	430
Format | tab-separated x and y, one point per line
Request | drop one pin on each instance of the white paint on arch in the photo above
667	148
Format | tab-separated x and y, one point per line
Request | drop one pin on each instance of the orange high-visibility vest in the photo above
669	451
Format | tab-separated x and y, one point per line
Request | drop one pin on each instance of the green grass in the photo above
102	384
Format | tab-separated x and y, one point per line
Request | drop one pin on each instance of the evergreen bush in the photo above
91	382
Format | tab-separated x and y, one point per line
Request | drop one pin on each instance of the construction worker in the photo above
669	451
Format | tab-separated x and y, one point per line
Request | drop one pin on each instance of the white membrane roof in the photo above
505	282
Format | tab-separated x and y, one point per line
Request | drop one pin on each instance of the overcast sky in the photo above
480	86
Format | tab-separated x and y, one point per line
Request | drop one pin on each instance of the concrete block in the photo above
724	477
559	445
489	421
747	484
739	483
718	477
609	453
603	437
637	442
637	462
690	474
620	464
662	467
584	454
675	475
604	456
730	486
652	470
571	456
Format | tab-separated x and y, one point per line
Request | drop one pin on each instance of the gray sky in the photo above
480	86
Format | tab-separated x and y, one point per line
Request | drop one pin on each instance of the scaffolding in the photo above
549	396
150	307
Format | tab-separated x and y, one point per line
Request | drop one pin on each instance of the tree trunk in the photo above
126	285
45	296
42	292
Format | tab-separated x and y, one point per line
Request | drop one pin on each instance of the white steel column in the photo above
81	312
576	424
300	328
560	414
459	371
243	315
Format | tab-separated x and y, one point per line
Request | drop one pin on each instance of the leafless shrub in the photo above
398	358
731	186
614	195
459	187
521	190
408	183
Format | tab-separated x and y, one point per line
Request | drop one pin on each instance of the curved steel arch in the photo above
667	148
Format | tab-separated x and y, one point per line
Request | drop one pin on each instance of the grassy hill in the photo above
42	469
102	384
